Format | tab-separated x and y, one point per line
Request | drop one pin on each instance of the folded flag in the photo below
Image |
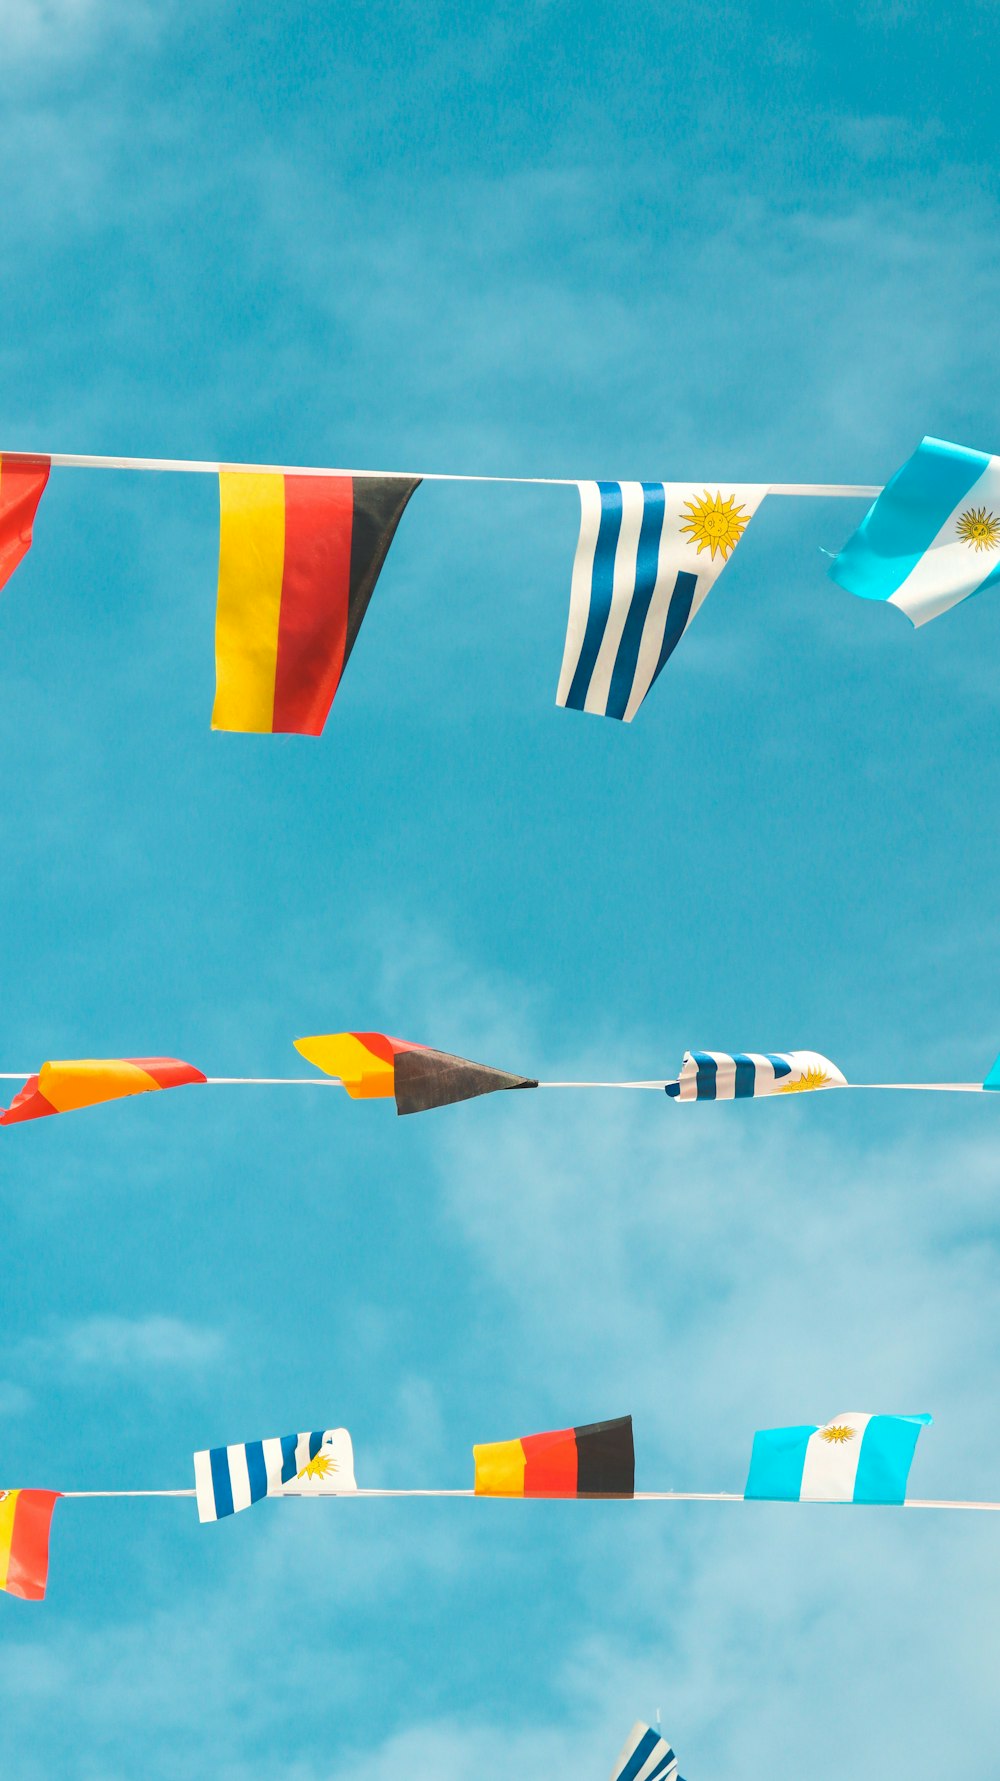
993	1079
22	484
647	556
228	1479
86	1082
372	1066
645	1756
932	537
853	1459
597	1460
743	1075
25	1519
299	557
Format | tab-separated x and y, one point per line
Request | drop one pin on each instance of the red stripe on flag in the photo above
28	1564
315	591
28	1103
168	1072
22	484
550	1464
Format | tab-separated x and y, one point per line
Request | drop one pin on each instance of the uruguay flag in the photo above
647	556
933	536
853	1459
319	1462
645	1756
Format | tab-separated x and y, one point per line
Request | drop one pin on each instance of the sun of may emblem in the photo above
979	529
800	1085
320	1466
838	1434
715	524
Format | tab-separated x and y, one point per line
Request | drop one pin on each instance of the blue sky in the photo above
743	242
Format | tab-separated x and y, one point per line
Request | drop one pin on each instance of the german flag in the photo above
25	1519
372	1066
22	484
299	557
597	1460
64	1087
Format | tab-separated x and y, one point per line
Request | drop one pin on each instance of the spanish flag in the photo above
299	557
86	1082
597	1460
25	1518
22	484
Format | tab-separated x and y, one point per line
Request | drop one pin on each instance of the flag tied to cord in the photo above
22	484
647	557
747	1075
856	1458
64	1087
645	1756
299	557
596	1460
25	1519
933	536
317	1463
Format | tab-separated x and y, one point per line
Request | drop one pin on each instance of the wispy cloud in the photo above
126	1346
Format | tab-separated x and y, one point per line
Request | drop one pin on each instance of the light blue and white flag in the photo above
744	1075
853	1459
317	1463
647	556
933	536
644	1755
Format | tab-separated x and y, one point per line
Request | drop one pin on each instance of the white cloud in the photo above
127	1345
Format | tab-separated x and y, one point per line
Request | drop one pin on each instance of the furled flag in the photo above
372	1066
853	1459
25	1519
597	1460
648	554
22	484
86	1082
993	1079
932	537
742	1075
299	557
228	1479
645	1756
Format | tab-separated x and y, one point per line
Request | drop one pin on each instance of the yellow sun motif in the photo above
979	528
320	1466
714	524
837	1434
800	1085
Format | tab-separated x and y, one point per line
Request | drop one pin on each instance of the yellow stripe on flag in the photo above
8	1509
365	1076
89	1081
499	1469
251	566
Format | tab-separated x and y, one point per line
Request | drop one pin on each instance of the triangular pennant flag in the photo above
373	1066
299	557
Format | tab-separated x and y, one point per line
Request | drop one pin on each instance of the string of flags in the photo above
300	553
856	1458
375	1066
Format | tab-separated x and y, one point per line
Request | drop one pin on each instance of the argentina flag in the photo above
645	1756
933	536
317	1463
647	556
856	1458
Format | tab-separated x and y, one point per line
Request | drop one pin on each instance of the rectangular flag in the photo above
25	1519
299	557
932	537
645	1756
22	484
317	1463
647	556
748	1075
853	1459
597	1460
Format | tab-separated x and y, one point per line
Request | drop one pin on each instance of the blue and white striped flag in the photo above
317	1463
853	1459
933	536
644	1755
745	1075
647	556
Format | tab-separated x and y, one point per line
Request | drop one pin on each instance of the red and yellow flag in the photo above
597	1460
25	1519
22	483
299	557
86	1082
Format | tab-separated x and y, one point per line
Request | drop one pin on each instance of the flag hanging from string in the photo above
648	555
317	1463
22	485
855	1458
